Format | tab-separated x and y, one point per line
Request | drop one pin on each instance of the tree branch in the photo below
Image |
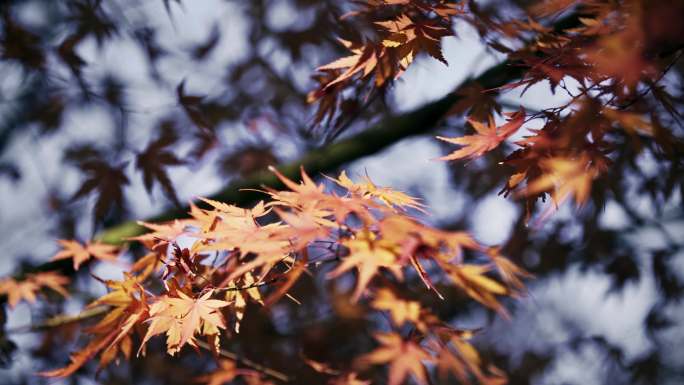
64	319
329	158
247	362
370	141
60	320
325	159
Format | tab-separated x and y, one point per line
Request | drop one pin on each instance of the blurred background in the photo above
120	110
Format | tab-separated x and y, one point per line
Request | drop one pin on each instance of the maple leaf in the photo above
16	291
110	342
238	216
364	60
462	363
153	161
122	292
367	254
621	55
259	246
302	194
192	105
27	288
81	253
108	181
111	333
129	309
413	237
146	265
304	228
409	38
634	123
239	297
182	317
131	318
164	233
565	177
386	195
487	138
52	280
477	285
401	310
310	200
404	357
475	102
416	242
509	271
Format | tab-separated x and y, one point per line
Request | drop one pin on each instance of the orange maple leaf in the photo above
487	138
565	177
404	357
26	289
363	60
80	253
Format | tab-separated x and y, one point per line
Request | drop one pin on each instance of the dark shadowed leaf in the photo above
154	160
107	181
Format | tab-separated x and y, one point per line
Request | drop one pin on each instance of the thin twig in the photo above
60	320
251	286
650	88
246	361
64	319
343	127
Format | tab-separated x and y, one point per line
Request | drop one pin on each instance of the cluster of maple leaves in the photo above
239	255
608	56
234	256
416	27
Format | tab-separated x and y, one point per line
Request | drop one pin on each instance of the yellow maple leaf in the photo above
400	310
564	177
472	279
367	254
388	196
182	317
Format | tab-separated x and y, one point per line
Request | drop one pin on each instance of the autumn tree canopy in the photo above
206	212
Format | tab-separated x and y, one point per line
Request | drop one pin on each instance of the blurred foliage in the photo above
255	113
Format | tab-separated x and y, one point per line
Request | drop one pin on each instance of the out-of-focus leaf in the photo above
154	160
